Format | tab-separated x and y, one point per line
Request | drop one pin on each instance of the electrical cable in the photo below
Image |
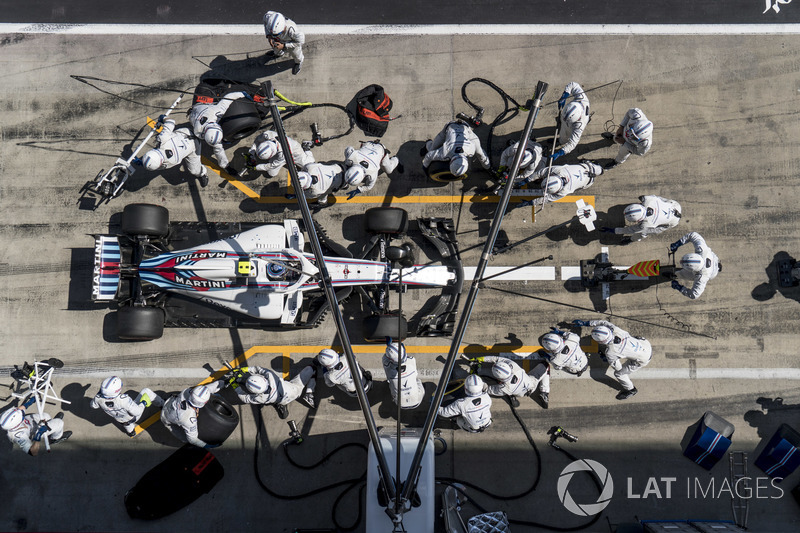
511	109
349	483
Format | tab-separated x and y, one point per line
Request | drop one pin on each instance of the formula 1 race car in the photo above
164	273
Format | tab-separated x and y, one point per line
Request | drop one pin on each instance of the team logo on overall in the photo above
585	509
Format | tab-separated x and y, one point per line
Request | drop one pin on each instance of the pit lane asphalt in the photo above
725	112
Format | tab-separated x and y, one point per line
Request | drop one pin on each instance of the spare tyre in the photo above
140	323
216	421
391	220
240	121
145	219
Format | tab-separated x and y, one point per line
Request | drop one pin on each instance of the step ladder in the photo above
738	473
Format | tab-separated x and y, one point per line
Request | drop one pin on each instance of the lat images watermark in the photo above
775	5
690	488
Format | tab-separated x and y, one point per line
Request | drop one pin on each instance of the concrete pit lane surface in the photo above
724	108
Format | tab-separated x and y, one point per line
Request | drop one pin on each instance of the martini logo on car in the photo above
200	283
201	255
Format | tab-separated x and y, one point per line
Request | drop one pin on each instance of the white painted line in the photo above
435	373
410	29
522	274
570	273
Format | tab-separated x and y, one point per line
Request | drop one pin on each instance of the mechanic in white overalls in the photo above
266	154
650	217
512	381
634	134
283	36
531	160
456	143
573	118
265	387
395	359
27	431
563	350
474	410
559	181
176	147
120	406
319	181
205	123
179	414
364	165
699	267
337	373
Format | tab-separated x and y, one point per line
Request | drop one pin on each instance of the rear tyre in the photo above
216	421
390	220
240	121
377	327
140	323
145	219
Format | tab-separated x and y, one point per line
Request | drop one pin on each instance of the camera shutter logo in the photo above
586	509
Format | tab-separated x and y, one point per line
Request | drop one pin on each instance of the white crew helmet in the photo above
692	261
111	387
638	131
572	113
305	180
473	385
603	334
554	184
199	396
635	213
257	384
212	133
459	165
266	150
354	176
527	159
153	159
274	23
552	342
396	353
328	358
502	371
11	419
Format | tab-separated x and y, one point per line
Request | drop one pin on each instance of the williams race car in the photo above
163	273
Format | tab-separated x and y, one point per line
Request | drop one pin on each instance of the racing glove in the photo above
674	246
30	401
581	323
137	161
352	194
557	331
563	100
41	431
677	286
556	155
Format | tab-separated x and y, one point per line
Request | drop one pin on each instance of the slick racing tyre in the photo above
216	421
378	327
240	121
140	323
389	220
440	171
145	219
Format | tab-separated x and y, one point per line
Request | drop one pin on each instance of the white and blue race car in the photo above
163	273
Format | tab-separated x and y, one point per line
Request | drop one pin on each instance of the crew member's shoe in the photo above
283	411
607	135
625	394
296	68
545	399
203	180
64	436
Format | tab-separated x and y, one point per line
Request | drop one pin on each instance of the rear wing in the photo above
105	278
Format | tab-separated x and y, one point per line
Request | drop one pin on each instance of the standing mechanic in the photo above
27	431
283	35
512	381
560	180
337	372
397	361
456	143
699	267
205	123
572	119
319	181
364	165
120	406
267	148
474	410
563	350
180	411
617	344
263	386
651	216
635	134
174	147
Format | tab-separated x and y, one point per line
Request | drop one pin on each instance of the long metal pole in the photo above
330	294
412	478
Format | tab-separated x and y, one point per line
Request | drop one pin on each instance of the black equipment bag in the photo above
170	486
372	110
